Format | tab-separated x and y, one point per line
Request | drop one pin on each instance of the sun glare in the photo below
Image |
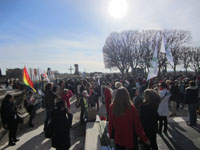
117	8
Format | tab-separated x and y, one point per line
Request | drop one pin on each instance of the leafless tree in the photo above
186	57
115	53
195	62
175	39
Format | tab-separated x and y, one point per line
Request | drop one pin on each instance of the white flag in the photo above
166	51
169	56
162	49
153	70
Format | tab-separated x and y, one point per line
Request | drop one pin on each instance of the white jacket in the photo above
163	108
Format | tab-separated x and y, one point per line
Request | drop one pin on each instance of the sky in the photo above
61	33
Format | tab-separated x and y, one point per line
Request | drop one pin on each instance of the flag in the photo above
166	51
153	70
162	49
169	56
27	80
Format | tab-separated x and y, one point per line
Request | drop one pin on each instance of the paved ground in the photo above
179	137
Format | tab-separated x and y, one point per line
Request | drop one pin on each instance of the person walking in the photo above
124	123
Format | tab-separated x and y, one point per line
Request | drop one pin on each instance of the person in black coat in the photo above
60	127
191	98
149	116
50	97
9	118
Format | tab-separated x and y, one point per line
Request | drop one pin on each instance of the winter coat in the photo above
66	98
163	108
50	99
191	95
149	118
108	97
61	130
175	93
124	126
8	113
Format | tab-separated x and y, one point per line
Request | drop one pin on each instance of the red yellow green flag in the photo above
27	80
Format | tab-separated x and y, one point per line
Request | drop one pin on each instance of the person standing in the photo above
108	97
124	122
163	108
50	97
149	116
9	118
66	97
60	90
174	98
30	100
191	98
60	126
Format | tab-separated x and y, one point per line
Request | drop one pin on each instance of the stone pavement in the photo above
33	138
179	137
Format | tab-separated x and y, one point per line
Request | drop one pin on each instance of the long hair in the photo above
121	102
152	97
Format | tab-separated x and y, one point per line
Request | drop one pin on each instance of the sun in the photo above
117	8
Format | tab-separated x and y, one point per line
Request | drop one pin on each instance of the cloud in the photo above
56	51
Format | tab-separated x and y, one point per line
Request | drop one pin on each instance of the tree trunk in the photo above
174	71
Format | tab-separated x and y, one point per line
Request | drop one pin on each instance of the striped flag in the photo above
27	80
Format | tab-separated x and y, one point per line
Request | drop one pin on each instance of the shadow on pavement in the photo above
177	139
36	143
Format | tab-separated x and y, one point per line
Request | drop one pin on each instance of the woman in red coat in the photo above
108	97
124	121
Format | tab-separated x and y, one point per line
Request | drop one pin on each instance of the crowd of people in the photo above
136	109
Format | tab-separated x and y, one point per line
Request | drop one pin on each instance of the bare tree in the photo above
186	57
195	62
175	39
115	53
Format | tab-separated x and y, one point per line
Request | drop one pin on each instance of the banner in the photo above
153	70
167	51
